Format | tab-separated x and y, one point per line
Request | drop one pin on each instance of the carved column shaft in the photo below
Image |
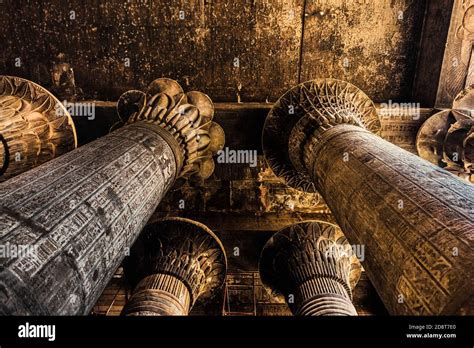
415	219
312	267
78	214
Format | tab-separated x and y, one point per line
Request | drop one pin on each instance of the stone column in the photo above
414	219
446	139
173	263
34	127
311	265
75	217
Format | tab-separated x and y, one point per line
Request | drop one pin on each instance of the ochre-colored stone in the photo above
414	219
78	215
173	263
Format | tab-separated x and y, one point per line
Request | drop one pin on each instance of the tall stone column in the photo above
76	216
313	267
34	127
173	263
415	219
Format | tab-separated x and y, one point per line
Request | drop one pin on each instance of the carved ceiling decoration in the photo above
464	102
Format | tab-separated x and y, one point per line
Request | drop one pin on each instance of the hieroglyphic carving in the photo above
314	263
457	64
172	264
325	103
464	101
34	127
401	125
414	218
79	213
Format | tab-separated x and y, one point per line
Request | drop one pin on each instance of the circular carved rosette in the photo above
306	252
313	106
186	116
34	127
182	248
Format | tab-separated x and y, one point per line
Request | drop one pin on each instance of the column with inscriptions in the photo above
173	263
313	267
414	219
74	218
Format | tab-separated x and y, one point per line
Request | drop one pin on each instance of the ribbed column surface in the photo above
323	297
159	295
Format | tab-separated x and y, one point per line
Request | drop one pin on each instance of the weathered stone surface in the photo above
314	106
311	266
457	72
78	215
370	43
158	295
34	127
185	116
445	140
414	219
234	51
